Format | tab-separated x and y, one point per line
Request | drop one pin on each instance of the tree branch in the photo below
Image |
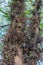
4	26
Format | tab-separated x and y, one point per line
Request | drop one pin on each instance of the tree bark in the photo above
18	49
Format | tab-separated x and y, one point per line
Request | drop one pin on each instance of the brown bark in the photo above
18	49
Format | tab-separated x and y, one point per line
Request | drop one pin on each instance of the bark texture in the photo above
18	48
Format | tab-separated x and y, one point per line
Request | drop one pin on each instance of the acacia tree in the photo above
20	47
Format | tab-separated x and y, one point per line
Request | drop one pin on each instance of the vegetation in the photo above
23	38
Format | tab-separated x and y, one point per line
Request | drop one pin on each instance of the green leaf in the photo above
41	25
0	10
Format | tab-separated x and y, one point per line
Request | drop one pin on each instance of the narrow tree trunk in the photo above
12	53
18	49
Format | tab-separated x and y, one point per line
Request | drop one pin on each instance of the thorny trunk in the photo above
18	48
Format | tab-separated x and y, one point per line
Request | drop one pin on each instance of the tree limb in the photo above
4	26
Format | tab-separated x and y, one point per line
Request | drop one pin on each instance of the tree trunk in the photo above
18	49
